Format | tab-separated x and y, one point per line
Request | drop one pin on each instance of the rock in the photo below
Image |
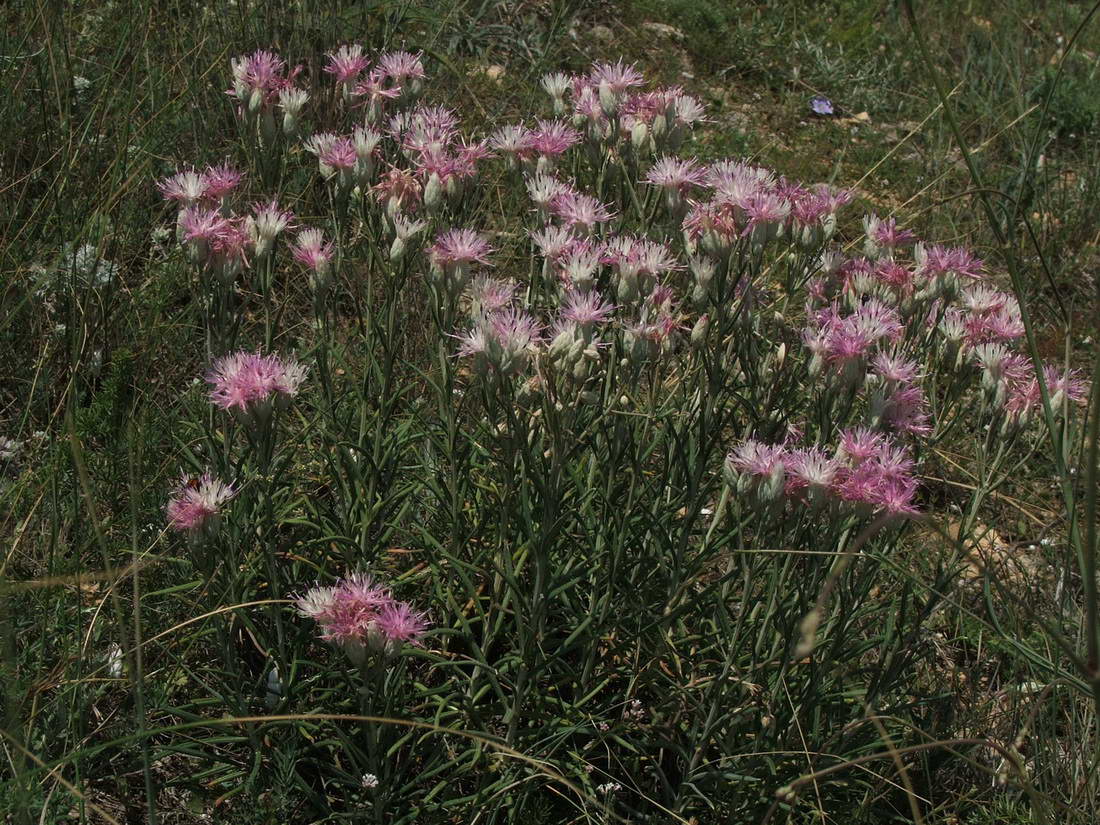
601	32
663	29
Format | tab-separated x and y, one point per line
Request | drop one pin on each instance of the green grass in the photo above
110	369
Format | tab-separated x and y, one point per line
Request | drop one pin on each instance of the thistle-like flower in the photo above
310	250
196	504
453	255
676	176
250	384
581	211
556	85
346	64
269	220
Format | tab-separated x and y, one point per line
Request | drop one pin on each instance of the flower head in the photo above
346	63
490	295
257	80
401	67
459	248
269	220
677	175
615	77
310	250
586	308
187	187
196	502
399	623
580	210
552	138
248	382
399	190
339	154
220	181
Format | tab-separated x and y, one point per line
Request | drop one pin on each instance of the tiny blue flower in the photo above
821	105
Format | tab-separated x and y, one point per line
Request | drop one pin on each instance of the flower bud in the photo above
699	331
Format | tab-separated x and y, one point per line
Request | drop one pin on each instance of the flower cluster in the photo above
868	473
362	617
217	239
260	82
750	202
615	116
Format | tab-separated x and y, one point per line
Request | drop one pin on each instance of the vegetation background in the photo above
102	98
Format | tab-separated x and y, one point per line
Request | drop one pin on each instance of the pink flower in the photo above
687	111
258	78
311	251
757	459
269	220
810	470
860	444
578	264
201	224
339	154
616	77
733	180
501	342
890	272
881	487
375	93
576	209
196	503
515	141
676	175
1024	395
215	239
187	187
553	241
399	190
906	410
459	248
490	295
362	617
586	309
765	210
244	381
587	108
232	243
543	189
1064	386
984	300
220	181
894	369
883	233
399	623
941	260
761	468
402	66
553	137
346	63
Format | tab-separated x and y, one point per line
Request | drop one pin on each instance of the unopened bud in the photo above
699	331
